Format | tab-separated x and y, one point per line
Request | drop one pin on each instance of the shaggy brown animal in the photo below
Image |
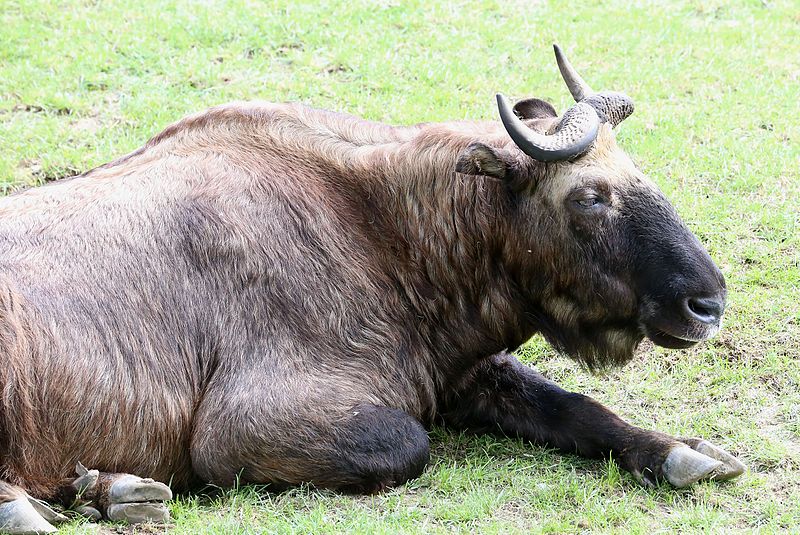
277	294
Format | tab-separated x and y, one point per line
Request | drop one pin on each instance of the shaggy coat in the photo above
281	294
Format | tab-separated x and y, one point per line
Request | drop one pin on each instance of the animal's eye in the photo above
588	202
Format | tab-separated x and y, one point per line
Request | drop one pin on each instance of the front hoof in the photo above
20	517
731	466
138	513
685	466
135	489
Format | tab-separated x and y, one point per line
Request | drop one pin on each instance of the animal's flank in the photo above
19	344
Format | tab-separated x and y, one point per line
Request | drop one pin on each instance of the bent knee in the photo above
378	448
365	450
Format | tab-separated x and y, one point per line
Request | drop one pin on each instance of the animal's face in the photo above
603	255
622	265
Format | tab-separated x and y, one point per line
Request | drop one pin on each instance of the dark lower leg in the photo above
502	395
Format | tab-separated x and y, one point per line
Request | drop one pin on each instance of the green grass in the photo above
716	86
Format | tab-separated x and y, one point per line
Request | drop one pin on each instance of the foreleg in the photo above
503	395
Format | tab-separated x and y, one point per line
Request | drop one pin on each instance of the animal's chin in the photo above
606	350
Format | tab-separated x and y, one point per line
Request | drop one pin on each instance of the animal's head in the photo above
605	256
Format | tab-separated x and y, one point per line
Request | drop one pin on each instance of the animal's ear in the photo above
480	159
534	108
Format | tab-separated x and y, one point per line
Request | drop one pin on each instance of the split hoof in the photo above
89	512
685	466
19	517
135	489
135	500
46	512
138	513
731	466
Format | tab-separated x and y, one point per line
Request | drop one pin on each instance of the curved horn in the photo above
579	89
611	106
573	136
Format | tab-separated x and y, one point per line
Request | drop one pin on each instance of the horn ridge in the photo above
573	136
612	107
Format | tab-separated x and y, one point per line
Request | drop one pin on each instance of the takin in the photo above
273	294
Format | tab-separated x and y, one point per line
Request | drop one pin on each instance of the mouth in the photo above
679	336
673	329
660	338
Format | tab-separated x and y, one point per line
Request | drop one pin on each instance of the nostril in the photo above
703	309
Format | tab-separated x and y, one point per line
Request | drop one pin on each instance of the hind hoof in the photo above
46	512
129	489
138	513
86	481
136	500
89	512
19	517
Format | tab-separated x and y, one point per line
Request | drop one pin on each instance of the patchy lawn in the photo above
717	88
